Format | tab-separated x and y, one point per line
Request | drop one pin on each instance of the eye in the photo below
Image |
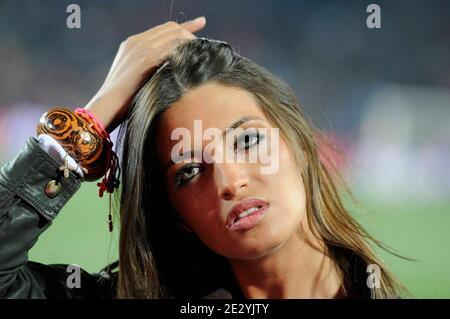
185	174
247	140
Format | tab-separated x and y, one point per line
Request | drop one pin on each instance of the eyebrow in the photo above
235	124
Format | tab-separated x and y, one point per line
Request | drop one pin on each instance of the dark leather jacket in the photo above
26	211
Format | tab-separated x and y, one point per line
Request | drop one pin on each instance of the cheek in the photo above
198	212
201	217
292	197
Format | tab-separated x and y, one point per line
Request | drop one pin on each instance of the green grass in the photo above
417	230
80	236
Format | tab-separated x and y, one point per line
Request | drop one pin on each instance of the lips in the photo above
233	215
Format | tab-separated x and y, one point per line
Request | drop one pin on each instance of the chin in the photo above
255	248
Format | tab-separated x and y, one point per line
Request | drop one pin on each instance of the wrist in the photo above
89	117
100	106
106	108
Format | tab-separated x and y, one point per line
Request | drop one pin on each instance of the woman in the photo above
214	228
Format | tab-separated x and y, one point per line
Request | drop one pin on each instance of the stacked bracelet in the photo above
85	139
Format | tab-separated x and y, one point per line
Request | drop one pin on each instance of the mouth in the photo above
247	214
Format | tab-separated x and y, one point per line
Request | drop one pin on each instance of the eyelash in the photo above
180	181
243	137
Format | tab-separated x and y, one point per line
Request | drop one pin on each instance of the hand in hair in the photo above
138	57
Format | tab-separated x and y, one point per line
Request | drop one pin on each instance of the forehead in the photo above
217	106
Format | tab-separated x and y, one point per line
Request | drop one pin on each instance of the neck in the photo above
298	269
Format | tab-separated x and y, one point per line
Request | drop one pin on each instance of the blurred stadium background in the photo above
382	95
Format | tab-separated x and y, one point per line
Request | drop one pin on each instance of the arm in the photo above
26	211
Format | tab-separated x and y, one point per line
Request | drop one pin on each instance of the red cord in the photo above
112	175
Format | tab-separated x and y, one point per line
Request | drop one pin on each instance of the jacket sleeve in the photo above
28	205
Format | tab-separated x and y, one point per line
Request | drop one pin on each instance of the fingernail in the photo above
200	18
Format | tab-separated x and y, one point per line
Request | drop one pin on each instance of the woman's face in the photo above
204	192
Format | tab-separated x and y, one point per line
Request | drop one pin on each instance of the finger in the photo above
165	48
157	30
156	60
168	36
194	25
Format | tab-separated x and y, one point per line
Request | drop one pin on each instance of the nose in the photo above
231	180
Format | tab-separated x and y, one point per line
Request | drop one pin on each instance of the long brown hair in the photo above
157	260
